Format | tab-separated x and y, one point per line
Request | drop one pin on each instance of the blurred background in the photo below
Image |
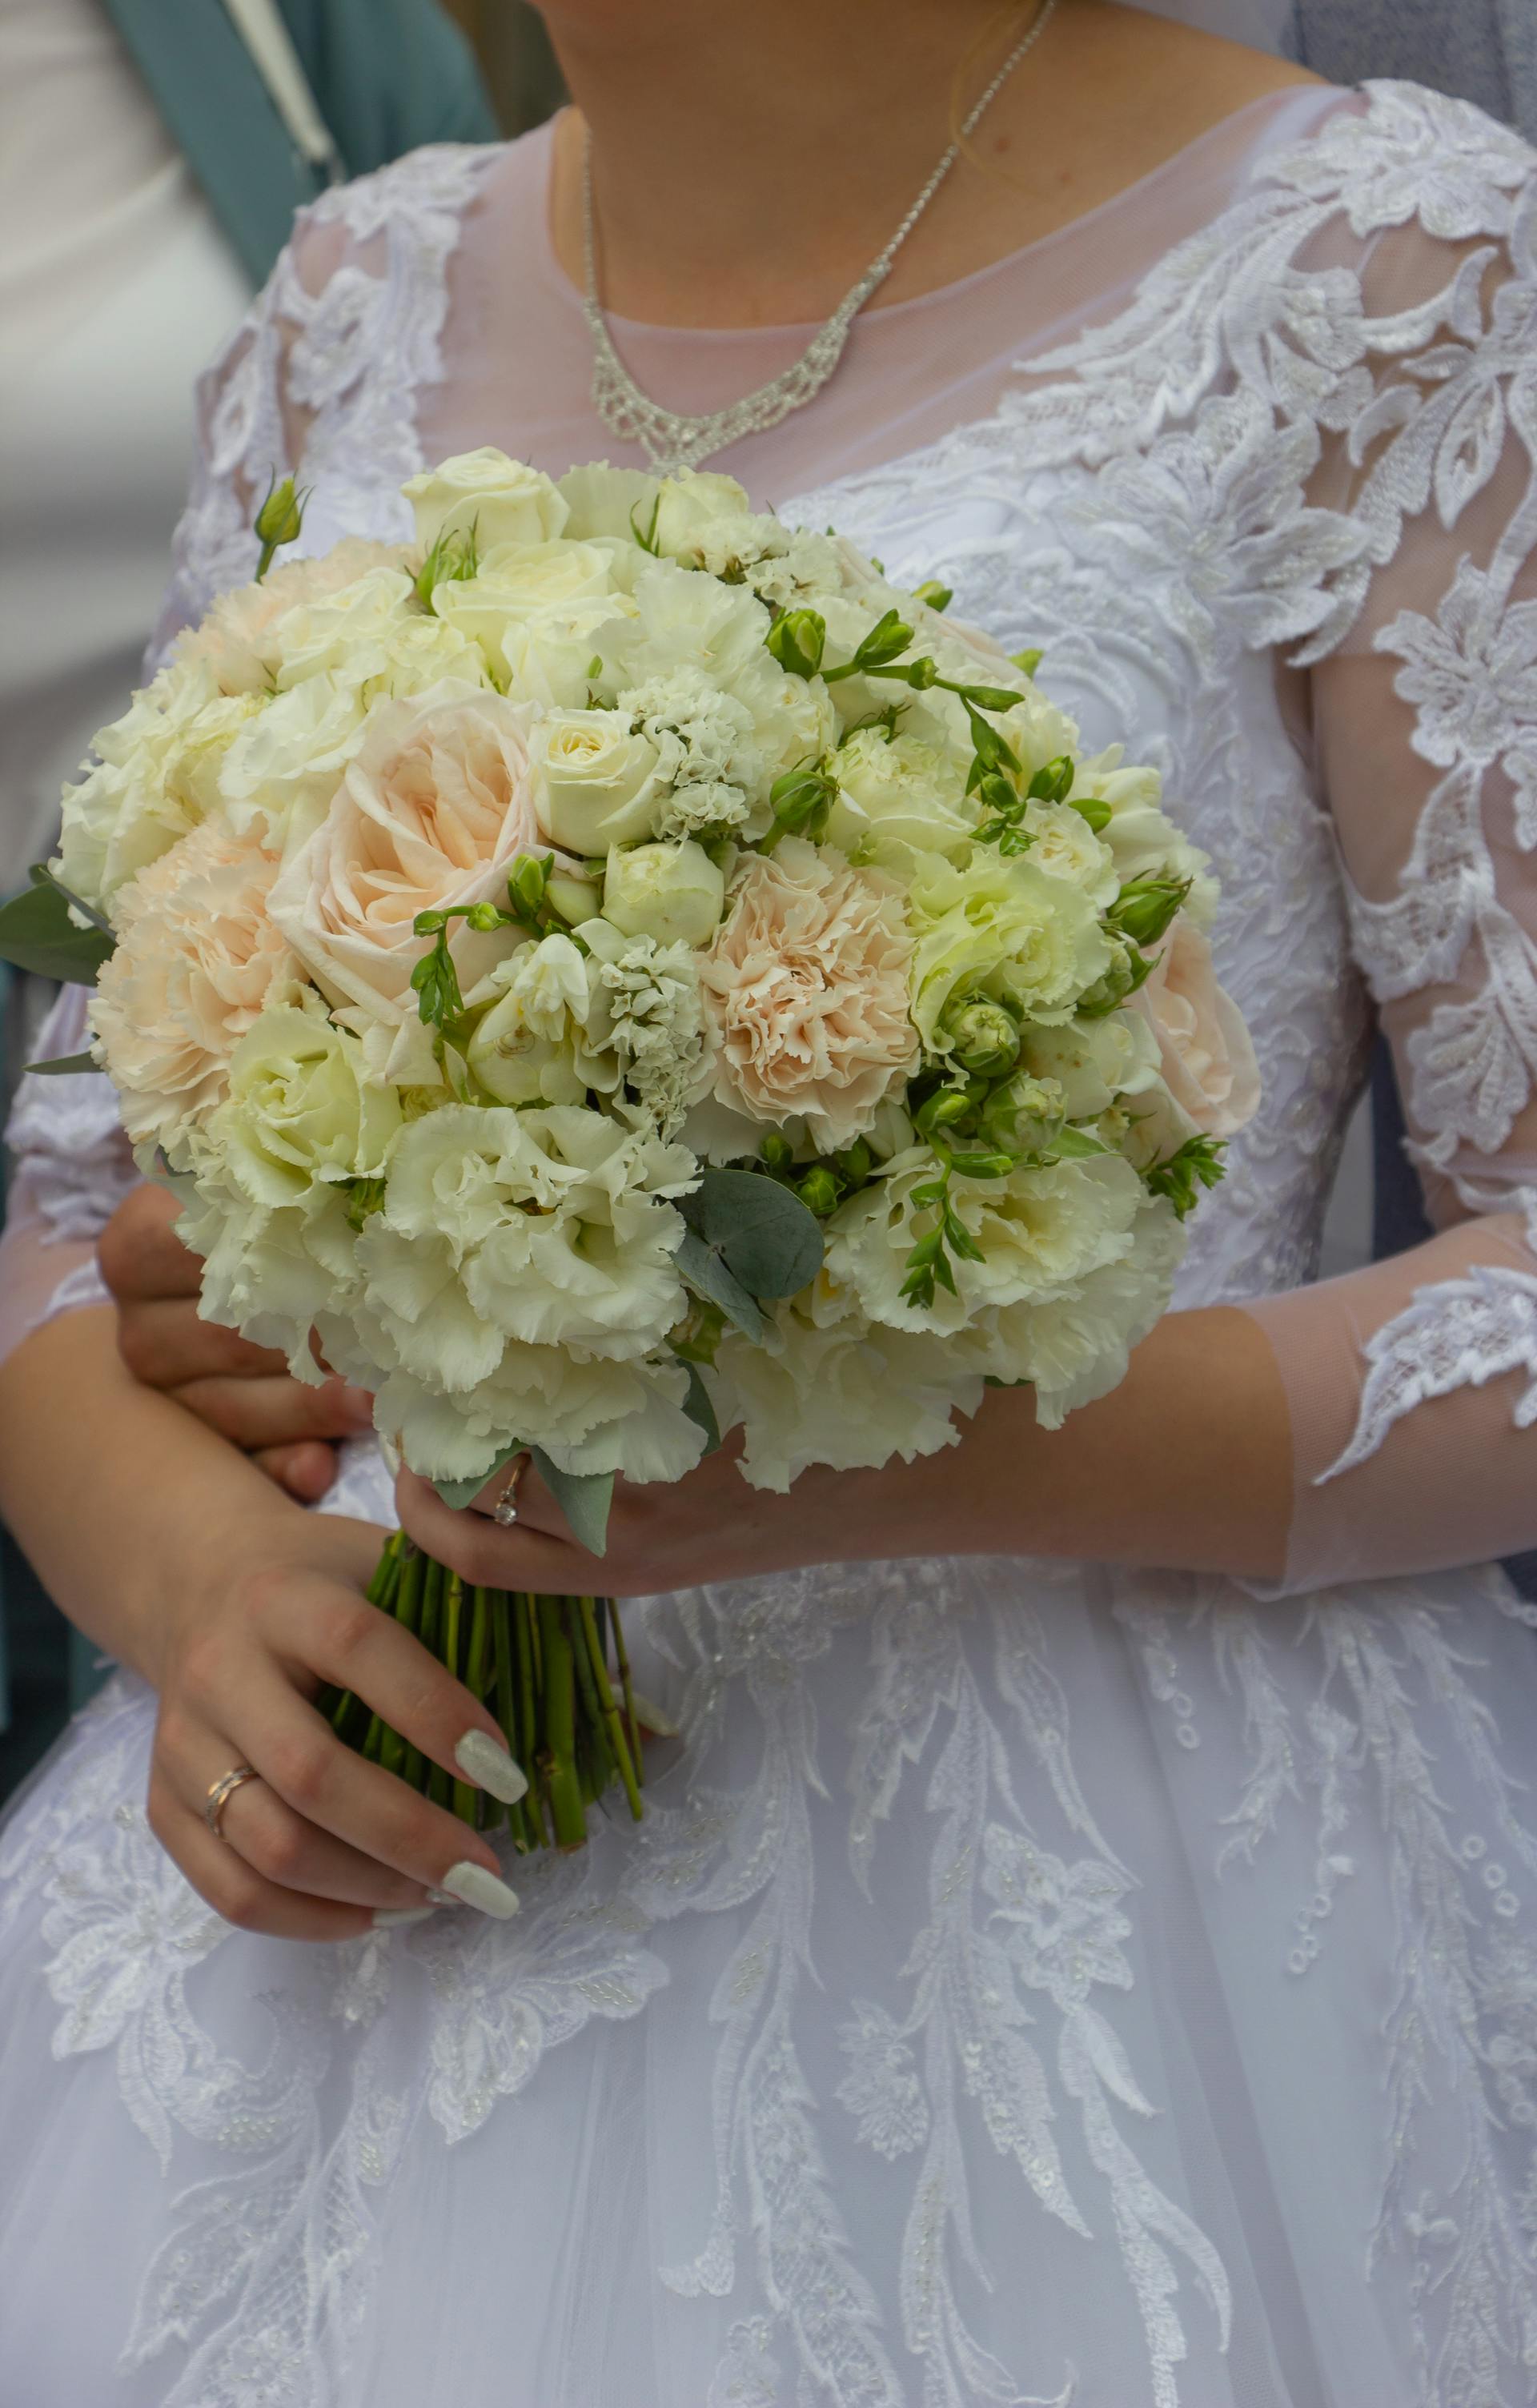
515	59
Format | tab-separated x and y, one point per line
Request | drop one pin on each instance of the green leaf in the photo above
62	1064
584	1499
1076	1145
38	935
460	1493
700	1409
701	1268
766	1236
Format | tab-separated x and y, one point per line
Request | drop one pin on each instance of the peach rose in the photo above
236	636
434	809
805	992
197	959
1206	1054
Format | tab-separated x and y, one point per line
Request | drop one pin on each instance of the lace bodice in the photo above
1266	494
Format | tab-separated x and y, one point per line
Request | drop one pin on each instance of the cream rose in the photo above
595	781
433	810
299	1108
502	500
198	960
805	992
1206	1053
671	892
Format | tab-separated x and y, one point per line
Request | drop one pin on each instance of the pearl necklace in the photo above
670	439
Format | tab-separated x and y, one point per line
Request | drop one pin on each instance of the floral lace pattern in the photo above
978	1882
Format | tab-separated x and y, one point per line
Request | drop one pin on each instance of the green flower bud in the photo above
1050	784
1124	976
889	637
1029	662
1093	808
818	1191
574	899
943	1111
429	924
983	1037
776	1151
279	520
797	640
855	1162
1024	1116
1144	908
484	918
529	880
937	596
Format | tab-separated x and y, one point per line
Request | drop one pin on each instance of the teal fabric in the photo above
387	74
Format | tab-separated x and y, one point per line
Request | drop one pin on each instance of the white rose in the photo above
691	502
501	500
1094	1061
557	658
1141	839
671	892
604	501
343	634
524	577
156	777
299	1108
518	1067
279	776
596	783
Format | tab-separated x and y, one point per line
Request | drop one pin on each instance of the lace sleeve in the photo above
1414	1385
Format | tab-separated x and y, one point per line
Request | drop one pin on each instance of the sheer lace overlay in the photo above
971	2019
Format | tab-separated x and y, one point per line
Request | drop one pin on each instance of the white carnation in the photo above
708	754
644	1013
838	1395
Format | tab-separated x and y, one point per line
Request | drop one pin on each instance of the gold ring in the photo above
505	1511
221	1791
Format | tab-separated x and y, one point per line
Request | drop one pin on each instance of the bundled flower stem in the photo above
541	1665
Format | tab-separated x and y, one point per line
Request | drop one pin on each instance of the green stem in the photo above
598	1762
466	1797
612	1725
527	1750
566	1806
407	1612
622	1657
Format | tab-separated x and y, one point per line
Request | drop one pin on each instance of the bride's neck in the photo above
747	161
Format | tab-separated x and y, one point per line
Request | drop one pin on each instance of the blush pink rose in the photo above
236	636
434	809
197	959
1206	1054
805	989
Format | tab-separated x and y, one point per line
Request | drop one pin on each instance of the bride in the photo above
1038	1977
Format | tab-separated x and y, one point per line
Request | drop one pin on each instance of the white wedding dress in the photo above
1033	1981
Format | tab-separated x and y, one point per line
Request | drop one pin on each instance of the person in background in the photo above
152	153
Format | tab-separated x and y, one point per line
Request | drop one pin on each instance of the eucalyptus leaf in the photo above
60	1067
700	1409
460	1493
38	935
584	1499
704	1271
766	1237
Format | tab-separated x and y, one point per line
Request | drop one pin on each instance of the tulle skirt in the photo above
1028	1984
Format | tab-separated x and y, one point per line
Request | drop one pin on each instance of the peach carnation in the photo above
806	991
433	809
197	959
1206	1054
236	637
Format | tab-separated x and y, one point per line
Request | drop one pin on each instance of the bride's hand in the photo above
322	1843
707	1526
244	1392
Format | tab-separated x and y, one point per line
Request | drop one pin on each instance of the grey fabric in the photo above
1484	51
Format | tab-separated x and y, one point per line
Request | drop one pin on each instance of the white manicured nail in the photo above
481	1759
390	1918
473	1884
653	1718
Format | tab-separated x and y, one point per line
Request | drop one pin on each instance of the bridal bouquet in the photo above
616	970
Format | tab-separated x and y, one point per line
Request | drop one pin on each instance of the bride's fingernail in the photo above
390	1918
473	1884
481	1759
653	1718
